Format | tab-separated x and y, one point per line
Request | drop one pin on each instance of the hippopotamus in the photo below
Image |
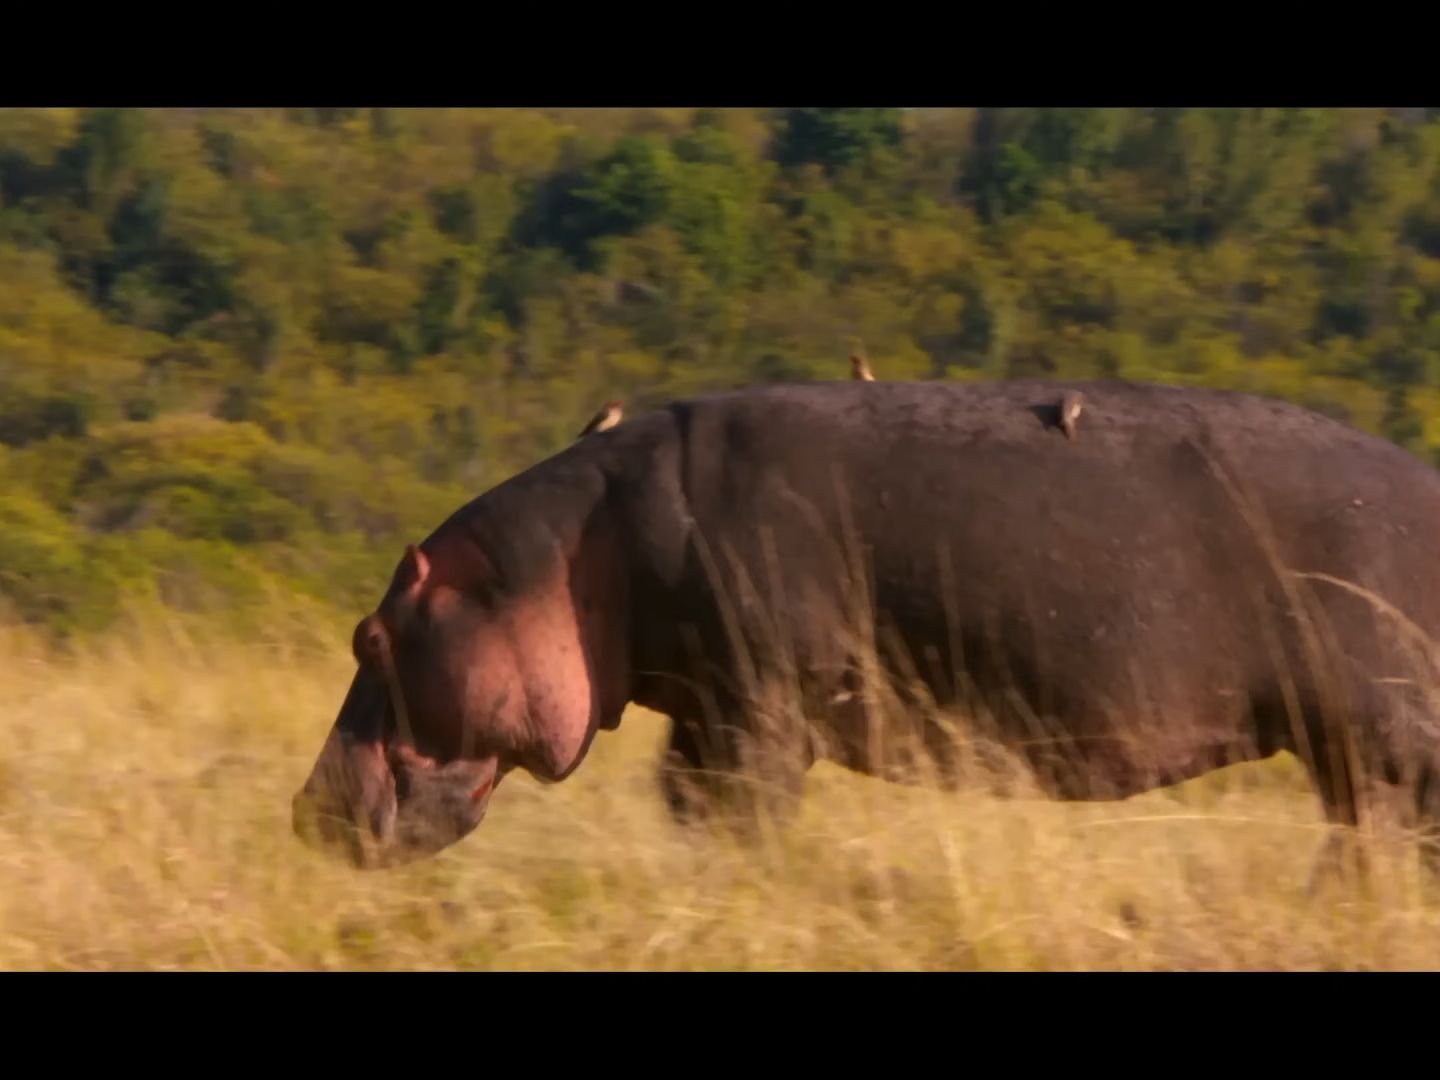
1206	578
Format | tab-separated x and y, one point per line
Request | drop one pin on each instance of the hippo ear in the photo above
413	570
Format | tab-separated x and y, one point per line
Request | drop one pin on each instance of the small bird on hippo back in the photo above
604	420
1071	405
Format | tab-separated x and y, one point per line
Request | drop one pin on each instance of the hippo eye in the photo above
369	642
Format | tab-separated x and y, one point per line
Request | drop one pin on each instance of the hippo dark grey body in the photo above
1175	589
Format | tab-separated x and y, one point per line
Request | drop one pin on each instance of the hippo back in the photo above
962	514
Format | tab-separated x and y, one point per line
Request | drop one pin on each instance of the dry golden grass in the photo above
145	790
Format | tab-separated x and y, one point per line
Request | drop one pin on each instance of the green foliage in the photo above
244	350
837	138
41	554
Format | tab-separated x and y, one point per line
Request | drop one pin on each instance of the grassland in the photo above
145	788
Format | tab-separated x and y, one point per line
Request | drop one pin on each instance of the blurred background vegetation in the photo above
248	352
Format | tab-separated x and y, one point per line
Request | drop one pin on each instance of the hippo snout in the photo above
322	825
347	804
381	807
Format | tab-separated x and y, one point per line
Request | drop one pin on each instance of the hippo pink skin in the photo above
489	682
1124	605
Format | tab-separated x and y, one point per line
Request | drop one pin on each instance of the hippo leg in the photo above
712	771
1411	763
1406	790
1427	810
1334	774
1343	855
1341	858
689	777
1389	779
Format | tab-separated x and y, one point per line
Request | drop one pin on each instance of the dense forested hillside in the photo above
248	350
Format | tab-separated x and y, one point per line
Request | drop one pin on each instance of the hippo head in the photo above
457	684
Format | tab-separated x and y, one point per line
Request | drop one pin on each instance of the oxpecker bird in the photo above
604	420
1070	406
860	369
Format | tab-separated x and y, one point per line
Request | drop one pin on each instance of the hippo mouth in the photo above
381	809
